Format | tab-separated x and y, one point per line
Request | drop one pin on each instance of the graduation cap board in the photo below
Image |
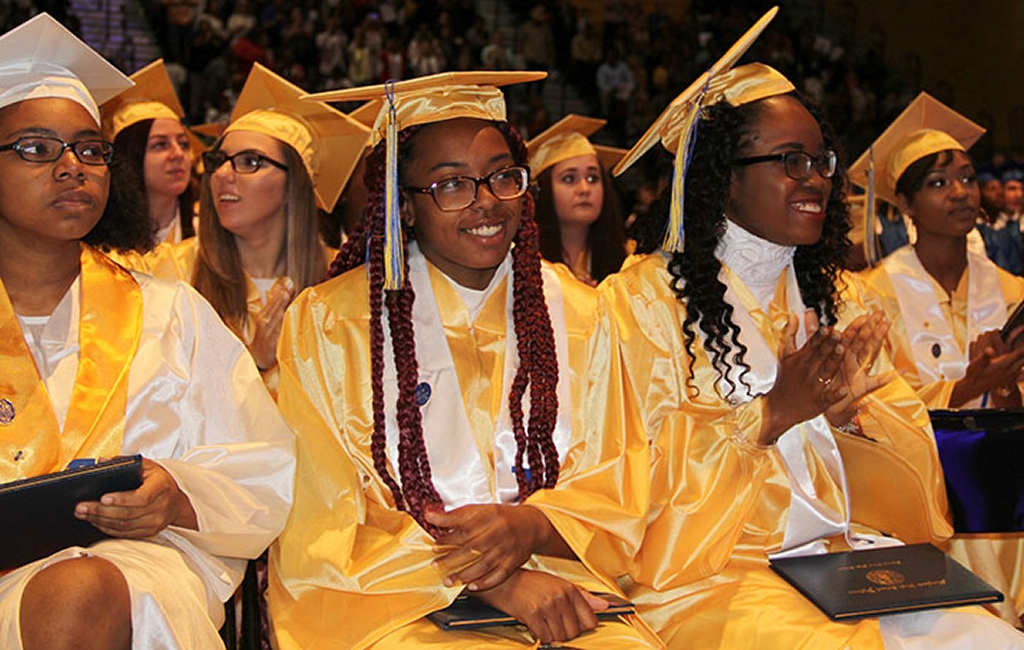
41	58
925	127
568	138
676	127
328	141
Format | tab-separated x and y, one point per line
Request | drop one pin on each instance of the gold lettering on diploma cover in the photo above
885	577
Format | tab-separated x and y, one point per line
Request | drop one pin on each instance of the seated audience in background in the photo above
579	213
100	362
279	161
1002	237
945	302
762	389
458	417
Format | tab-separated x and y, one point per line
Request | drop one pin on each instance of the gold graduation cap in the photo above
434	98
328	141
423	100
568	138
41	58
925	127
676	126
152	97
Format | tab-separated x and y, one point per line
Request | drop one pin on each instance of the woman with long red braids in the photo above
438	387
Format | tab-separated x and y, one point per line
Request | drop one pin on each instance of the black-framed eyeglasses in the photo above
798	163
44	149
459	192
243	162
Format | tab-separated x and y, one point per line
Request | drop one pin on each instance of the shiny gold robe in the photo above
997	557
719	501
351	571
878	293
167	261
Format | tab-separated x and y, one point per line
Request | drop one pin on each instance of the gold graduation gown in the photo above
350	570
878	292
719	502
167	261
997	557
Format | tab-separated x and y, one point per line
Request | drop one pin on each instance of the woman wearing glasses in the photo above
99	362
451	394
258	240
761	389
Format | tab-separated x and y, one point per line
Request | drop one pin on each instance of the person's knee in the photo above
86	594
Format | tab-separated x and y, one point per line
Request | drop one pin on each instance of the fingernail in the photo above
472	587
448	582
107	500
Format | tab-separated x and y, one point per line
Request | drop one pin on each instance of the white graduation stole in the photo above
461	471
926	327
809	520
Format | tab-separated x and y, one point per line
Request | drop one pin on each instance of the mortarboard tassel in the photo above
871	253
394	263
674	235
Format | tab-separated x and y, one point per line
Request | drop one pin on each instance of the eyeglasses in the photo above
43	149
243	162
798	163
459	192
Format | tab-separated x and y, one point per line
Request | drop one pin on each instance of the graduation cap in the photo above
423	100
676	127
41	58
568	138
925	127
328	141
153	97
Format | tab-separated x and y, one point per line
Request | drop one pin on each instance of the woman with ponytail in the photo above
438	386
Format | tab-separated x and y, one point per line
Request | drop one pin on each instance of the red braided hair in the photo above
538	365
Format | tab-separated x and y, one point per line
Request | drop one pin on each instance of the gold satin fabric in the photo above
350	570
996	557
166	261
719	501
109	327
878	293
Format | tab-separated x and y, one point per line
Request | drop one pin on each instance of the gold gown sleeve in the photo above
349	566
599	503
719	502
707	473
877	292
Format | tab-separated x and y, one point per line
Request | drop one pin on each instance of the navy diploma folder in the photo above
39	512
890	580
468	612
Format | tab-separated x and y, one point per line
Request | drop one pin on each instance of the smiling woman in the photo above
437	383
101	362
762	387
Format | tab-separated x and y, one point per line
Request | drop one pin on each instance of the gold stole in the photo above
110	324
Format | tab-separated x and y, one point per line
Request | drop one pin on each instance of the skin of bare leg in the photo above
81	603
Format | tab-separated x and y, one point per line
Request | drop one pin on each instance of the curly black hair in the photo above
121	227
695	271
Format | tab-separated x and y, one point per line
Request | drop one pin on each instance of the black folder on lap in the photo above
38	513
891	580
468	612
